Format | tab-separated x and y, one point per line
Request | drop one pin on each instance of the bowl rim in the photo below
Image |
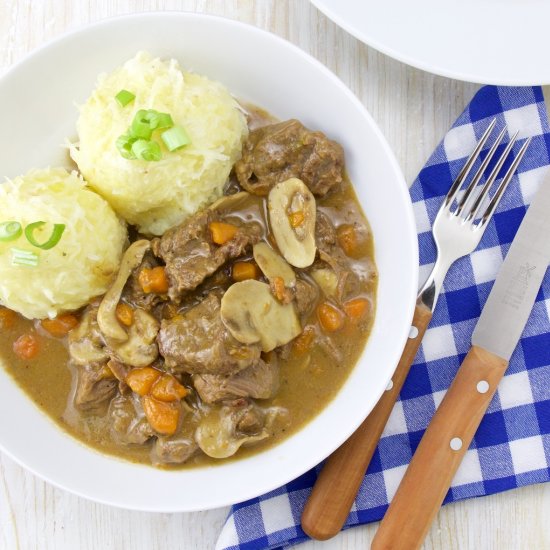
399	338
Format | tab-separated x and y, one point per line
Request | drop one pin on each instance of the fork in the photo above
457	230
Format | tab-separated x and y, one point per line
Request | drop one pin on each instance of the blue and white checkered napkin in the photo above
512	445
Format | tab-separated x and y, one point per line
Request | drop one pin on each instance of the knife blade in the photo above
452	428
513	294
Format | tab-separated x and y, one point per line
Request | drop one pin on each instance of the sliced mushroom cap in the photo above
292	213
252	314
327	281
106	316
272	265
217	437
140	349
85	343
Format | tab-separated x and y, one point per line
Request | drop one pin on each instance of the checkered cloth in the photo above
512	446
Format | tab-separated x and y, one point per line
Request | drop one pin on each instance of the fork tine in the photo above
502	187
479	174
490	180
463	174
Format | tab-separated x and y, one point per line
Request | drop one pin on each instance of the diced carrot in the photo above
167	388
244	270
347	238
162	416
278	286
330	318
356	308
26	346
61	325
7	318
222	232
296	219
303	342
142	379
153	280
125	314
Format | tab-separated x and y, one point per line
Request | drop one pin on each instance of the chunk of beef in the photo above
95	387
120	372
191	255
128	423
175	450
259	381
306	297
198	342
325	233
287	149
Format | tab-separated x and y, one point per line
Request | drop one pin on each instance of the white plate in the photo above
487	41
37	104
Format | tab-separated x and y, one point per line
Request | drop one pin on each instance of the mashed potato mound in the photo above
83	262
158	195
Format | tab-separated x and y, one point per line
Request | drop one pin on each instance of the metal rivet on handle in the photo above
389	386
482	386
413	333
456	444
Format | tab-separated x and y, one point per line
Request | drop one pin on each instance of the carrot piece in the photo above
167	388
26	346
61	325
153	280
222	232
244	270
303	342
163	417
278	286
356	308
296	219
125	314
330	318
7	318
142	379
347	238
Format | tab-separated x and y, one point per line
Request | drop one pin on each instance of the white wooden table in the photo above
414	109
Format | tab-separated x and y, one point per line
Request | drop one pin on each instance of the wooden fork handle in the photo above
440	452
335	490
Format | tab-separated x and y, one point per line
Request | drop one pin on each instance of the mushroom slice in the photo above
292	213
252	314
216	434
106	316
85	343
140	349
327	281
272	265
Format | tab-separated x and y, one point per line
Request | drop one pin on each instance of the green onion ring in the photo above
57	231
9	231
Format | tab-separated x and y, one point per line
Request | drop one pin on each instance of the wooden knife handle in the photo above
335	490
444	444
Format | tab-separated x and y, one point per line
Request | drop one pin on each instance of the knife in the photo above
450	432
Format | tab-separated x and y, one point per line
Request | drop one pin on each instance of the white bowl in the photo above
37	105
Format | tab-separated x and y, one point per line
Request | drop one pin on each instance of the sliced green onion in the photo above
9	231
57	231
24	257
124	97
164	121
124	145
146	150
143	124
175	138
